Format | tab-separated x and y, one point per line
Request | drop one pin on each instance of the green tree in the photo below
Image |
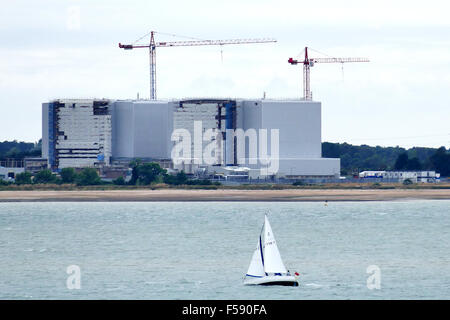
14	153
88	177
414	164
146	173
149	172
135	164
440	161
68	175
120	181
23	178
44	176
181	178
178	179
199	182
169	179
401	162
19	150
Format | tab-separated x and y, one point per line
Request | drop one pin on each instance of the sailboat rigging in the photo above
266	266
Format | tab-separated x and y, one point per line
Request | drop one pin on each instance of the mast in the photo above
261	246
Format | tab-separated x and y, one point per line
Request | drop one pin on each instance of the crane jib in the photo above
152	46
309	62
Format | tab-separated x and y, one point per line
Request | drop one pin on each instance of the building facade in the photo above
9	173
76	133
269	137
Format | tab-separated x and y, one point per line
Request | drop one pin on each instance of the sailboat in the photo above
266	266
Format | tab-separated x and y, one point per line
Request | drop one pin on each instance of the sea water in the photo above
201	250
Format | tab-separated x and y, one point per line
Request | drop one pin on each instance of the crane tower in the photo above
153	45
309	62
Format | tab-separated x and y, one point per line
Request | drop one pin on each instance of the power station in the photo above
111	133
229	137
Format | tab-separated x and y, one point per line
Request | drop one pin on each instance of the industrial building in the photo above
9	173
77	133
400	176
260	137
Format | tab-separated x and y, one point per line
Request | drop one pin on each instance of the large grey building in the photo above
267	137
76	132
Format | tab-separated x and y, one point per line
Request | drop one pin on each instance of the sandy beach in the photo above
226	195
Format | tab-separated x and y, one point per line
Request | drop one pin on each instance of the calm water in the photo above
202	250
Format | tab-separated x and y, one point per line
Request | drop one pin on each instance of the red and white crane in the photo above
153	45
309	62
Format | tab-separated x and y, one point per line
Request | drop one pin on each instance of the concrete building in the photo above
267	137
300	139
141	129
76	133
34	165
9	173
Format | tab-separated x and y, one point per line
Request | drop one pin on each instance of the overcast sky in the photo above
401	97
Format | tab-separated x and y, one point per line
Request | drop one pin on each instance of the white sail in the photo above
256	268
272	258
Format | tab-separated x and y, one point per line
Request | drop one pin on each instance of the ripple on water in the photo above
201	250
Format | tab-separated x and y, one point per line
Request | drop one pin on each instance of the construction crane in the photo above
153	45
309	62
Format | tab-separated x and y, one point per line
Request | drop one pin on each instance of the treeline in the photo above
143	174
19	150
85	177
355	159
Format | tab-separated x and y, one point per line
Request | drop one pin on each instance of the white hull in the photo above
272	280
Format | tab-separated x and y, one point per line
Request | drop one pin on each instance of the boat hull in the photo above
272	281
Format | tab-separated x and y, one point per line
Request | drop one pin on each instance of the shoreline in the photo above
180	195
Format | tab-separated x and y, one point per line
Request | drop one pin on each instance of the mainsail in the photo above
268	259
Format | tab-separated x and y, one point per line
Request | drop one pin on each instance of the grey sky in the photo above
400	98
